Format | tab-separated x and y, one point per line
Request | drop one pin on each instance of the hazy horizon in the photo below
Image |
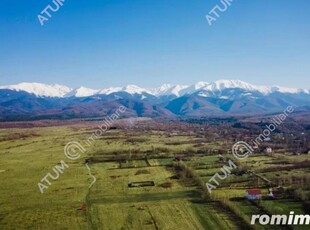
155	85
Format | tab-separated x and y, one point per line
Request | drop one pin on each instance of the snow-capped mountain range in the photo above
42	101
204	88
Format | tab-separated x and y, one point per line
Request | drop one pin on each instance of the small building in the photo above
268	150
253	194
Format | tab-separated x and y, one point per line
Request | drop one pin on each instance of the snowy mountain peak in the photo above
193	88
82	92
133	89
110	90
40	90
167	89
288	90
161	90
177	90
200	88
165	86
226	84
237	84
200	84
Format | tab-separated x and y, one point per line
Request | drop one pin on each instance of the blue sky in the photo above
100	43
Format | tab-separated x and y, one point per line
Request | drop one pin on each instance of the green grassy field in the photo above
24	162
120	157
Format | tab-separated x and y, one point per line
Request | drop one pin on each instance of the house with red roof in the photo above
253	194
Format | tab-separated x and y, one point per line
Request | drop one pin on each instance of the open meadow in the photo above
146	178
